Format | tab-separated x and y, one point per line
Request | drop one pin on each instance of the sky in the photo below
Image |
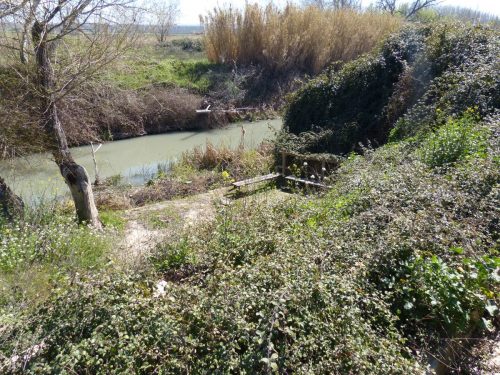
191	9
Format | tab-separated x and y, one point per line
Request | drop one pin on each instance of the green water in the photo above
37	176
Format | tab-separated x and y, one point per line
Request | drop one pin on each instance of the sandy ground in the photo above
149	225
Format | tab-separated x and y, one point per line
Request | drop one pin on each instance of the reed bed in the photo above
295	38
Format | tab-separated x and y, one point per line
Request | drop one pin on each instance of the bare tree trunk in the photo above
75	176
12	206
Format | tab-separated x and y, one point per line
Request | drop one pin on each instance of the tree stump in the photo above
11	205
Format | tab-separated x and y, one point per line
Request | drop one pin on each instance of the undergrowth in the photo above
43	252
375	277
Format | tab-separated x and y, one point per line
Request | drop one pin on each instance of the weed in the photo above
457	140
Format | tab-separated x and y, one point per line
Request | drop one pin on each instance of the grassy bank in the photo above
197	171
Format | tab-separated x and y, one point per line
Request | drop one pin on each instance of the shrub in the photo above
189	44
451	298
350	102
418	78
459	72
454	141
44	253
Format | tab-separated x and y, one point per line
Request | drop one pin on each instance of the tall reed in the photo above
295	38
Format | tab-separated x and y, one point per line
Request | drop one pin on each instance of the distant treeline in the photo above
467	14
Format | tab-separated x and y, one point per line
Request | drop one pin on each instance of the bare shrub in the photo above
107	112
111	199
172	109
164	189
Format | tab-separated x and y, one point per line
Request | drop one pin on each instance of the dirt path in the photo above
149	225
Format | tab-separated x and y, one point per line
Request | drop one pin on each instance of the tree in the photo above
333	4
387	6
62	44
164	14
408	9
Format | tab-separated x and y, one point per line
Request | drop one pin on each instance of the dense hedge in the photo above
418	76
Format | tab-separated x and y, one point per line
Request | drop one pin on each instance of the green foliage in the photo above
189	44
418	78
454	141
112	219
447	298
198	75
459	69
58	241
350	102
168	256
42	254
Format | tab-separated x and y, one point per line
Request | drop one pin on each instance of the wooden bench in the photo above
307	182
255	180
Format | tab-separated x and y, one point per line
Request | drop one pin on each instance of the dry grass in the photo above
295	38
238	162
197	171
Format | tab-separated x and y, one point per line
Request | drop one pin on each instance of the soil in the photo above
149	225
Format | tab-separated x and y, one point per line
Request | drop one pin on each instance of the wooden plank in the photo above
307	182
255	180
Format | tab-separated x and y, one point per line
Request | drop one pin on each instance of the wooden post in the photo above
283	163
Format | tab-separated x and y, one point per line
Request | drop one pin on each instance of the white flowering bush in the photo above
50	241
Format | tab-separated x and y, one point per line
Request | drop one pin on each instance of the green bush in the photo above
454	141
350	102
449	299
189	44
167	256
415	80
460	71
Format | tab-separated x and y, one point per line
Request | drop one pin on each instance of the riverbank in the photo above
133	161
153	89
394	270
